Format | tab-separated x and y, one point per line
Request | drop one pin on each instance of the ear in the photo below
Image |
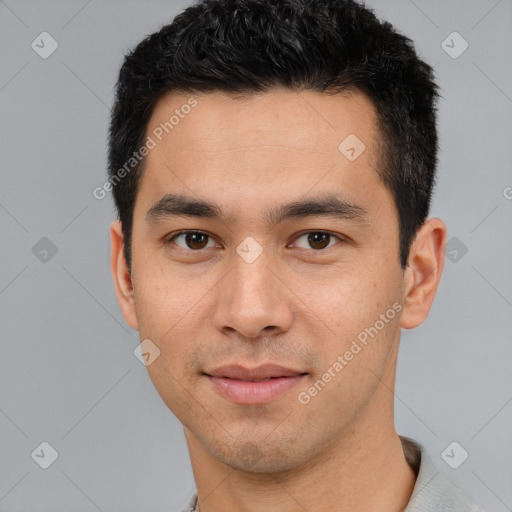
121	275
423	272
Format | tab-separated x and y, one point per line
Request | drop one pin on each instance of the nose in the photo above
252	301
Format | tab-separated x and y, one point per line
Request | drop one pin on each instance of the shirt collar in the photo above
432	492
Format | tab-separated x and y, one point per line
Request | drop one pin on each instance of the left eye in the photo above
316	240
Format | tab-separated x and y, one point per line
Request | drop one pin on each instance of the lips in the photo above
256	386
261	373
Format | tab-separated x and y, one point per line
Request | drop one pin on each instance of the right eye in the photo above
192	240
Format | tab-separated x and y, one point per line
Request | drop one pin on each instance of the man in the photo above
272	165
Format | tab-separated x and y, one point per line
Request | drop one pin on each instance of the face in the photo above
258	241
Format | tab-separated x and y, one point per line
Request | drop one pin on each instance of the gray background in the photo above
68	373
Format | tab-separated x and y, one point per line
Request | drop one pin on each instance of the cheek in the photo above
167	315
162	298
346	300
351	306
172	310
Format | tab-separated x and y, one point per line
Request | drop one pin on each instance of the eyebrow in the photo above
332	205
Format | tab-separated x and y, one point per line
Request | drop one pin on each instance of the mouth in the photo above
257	386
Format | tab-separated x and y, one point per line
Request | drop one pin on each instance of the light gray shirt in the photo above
433	492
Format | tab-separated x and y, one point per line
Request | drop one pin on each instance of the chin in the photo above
265	458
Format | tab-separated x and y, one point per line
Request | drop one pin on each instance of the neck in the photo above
353	474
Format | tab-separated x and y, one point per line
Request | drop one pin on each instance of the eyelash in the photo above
171	239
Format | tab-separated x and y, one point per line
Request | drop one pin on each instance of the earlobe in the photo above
121	275
423	272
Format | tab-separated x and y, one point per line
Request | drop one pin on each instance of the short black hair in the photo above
252	46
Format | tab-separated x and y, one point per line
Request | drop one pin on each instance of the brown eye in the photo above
316	240
196	240
193	240
319	240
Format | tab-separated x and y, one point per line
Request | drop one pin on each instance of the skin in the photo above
296	305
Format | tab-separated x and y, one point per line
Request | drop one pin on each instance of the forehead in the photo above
303	120
277	145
